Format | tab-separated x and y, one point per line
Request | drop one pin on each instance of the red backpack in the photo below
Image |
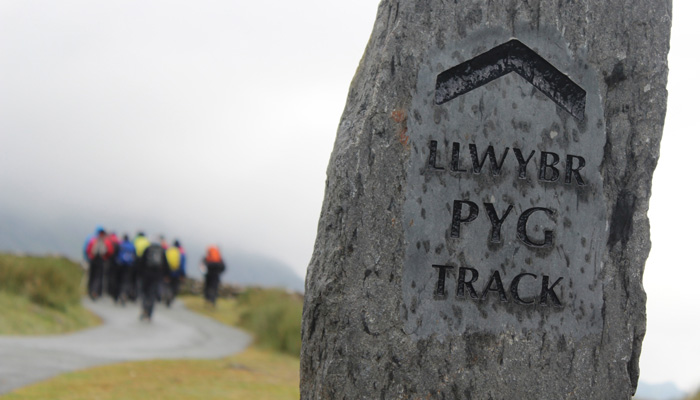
213	255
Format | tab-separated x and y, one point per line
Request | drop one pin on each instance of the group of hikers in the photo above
149	269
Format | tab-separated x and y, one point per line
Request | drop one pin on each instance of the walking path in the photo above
173	333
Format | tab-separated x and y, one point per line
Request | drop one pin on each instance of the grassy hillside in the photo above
41	295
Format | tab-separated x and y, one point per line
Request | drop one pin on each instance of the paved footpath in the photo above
173	333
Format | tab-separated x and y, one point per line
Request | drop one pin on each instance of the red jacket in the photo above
100	245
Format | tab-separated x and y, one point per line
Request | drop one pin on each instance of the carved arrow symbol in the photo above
512	56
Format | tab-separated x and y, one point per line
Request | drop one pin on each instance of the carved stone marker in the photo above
484	229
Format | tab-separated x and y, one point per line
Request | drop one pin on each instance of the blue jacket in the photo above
127	254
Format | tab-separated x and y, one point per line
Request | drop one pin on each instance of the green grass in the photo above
272	316
47	281
227	311
256	373
41	295
20	316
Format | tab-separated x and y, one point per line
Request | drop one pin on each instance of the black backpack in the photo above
154	257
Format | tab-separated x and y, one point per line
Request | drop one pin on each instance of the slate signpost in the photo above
504	200
484	229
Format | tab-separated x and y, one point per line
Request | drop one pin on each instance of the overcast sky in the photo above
220	116
217	115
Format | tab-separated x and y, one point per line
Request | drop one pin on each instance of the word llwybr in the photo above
546	172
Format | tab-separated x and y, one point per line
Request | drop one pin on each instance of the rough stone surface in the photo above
377	323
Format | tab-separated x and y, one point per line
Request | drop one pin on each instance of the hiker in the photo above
99	249
112	269
214	267
176	262
140	245
88	239
126	265
161	288
154	267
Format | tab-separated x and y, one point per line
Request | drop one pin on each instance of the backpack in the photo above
174	257
213	255
141	243
154	256
99	247
126	255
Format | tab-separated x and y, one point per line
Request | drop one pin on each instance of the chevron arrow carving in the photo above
512	56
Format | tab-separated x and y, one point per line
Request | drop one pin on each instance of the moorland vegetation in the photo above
41	295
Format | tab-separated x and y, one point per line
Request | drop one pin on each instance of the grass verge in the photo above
272	316
20	316
41	295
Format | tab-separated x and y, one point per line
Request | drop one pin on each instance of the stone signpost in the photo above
484	229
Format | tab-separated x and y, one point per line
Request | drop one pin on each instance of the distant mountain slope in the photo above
659	391
26	232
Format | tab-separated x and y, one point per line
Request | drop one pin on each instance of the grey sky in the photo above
220	113
220	116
